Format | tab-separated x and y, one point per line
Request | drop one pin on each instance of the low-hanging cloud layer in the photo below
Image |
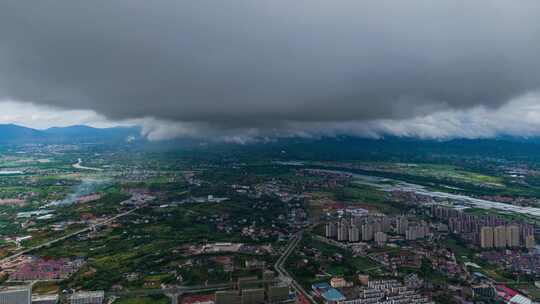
243	69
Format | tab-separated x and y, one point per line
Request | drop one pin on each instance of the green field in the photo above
369	197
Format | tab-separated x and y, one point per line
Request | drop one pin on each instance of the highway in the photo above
67	236
184	289
176	291
278	266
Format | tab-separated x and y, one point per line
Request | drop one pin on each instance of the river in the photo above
387	184
79	165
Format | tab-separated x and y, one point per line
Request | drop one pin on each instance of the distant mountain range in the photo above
14	134
325	148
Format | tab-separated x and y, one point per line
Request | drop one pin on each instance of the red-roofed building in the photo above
199	299
300	299
46	269
505	292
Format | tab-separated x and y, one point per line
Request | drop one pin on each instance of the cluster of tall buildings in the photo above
416	232
504	236
411	231
359	228
489	231
374	228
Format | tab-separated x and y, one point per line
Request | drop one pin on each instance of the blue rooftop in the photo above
333	294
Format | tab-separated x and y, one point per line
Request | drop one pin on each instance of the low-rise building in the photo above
227	297
253	296
87	297
338	282
278	293
16	295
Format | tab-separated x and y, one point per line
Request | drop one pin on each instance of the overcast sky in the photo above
244	69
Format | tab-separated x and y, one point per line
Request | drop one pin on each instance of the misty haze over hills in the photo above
241	70
320	148
14	134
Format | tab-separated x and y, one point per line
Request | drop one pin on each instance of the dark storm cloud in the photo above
240	64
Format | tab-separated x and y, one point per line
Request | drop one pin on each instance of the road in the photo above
330	242
278	266
175	292
172	292
70	235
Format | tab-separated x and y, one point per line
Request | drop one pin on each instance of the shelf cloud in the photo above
187	68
